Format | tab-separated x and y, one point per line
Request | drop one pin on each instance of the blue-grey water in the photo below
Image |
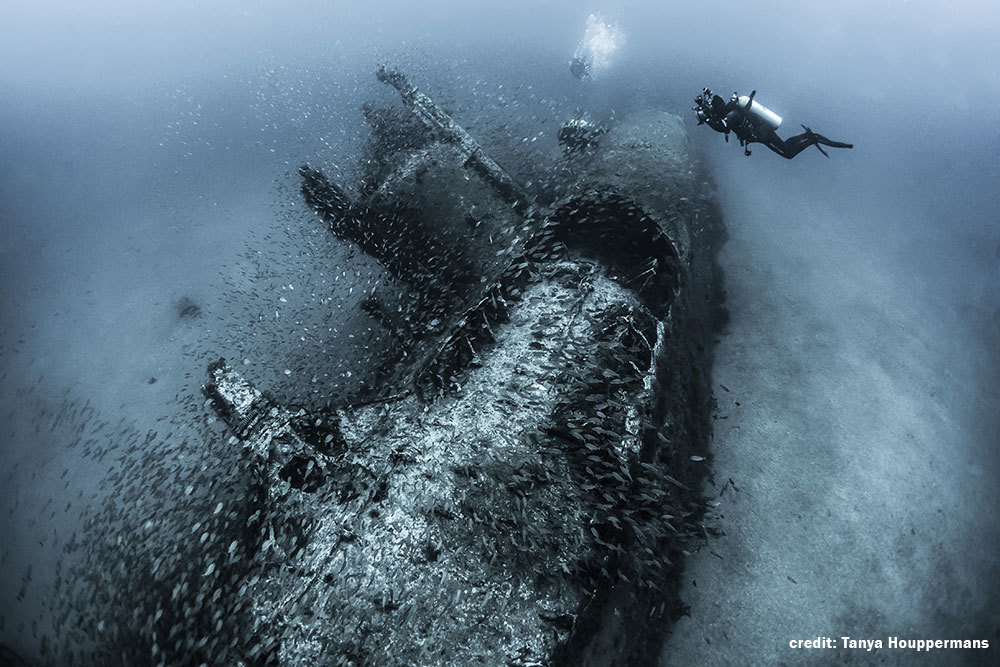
148	165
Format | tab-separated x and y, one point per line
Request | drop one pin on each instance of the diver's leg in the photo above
790	147
820	139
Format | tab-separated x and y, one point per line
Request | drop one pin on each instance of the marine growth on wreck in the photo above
520	484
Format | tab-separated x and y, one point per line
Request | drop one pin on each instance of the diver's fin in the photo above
814	138
833	144
820	139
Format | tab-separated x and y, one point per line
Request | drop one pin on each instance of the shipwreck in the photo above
520	487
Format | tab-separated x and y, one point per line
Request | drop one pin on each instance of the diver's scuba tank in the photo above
757	112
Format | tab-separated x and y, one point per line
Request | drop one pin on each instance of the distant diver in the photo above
752	122
598	50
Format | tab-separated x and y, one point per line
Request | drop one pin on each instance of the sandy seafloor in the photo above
854	450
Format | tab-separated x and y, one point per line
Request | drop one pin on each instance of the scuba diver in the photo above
752	122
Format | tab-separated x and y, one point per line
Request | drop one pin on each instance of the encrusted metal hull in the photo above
520	488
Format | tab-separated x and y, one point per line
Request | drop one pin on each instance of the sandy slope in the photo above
849	409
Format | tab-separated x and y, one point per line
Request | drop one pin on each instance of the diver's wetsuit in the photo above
729	117
792	146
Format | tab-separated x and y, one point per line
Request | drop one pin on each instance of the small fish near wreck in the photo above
520	488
